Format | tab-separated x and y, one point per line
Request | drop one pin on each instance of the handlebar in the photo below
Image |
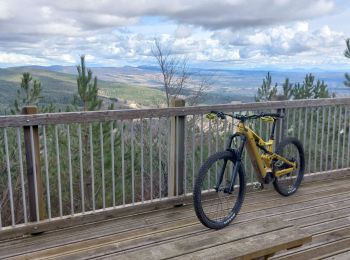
243	118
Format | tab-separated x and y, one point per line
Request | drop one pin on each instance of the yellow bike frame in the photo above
262	163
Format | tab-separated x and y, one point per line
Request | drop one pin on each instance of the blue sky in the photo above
230	34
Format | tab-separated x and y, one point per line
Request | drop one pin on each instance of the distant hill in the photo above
59	87
227	84
142	85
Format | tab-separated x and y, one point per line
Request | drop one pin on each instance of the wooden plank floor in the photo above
320	208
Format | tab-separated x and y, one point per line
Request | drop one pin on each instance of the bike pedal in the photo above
227	190
258	186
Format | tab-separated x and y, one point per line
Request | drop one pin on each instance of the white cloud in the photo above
285	40
5	12
46	12
227	31
183	31
295	44
259	38
14	58
92	15
301	27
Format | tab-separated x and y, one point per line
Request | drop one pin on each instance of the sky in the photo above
222	34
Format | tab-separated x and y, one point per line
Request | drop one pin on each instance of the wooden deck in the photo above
320	208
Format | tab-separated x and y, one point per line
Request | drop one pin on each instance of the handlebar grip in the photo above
280	115
219	114
273	115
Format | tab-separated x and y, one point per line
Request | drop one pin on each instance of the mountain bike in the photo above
220	185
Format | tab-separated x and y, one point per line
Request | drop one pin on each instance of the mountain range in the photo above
142	85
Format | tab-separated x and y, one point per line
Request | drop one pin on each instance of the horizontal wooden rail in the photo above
96	116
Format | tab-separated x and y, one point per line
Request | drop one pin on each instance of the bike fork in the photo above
229	189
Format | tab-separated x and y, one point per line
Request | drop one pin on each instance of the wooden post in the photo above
177	151
281	123
31	169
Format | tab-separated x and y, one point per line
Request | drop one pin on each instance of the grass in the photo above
138	94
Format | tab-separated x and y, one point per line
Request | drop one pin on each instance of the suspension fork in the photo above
238	153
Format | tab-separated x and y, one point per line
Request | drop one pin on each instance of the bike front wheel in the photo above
214	206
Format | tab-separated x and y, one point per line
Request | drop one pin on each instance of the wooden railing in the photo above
60	165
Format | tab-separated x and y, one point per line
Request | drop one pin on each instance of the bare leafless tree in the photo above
200	88
176	75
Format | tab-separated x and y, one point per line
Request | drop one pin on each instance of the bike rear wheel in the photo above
214	207
292	149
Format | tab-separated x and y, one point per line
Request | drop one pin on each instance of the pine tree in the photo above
266	91
347	51
320	90
347	55
28	93
87	89
347	80
87	99
308	89
304	90
287	89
